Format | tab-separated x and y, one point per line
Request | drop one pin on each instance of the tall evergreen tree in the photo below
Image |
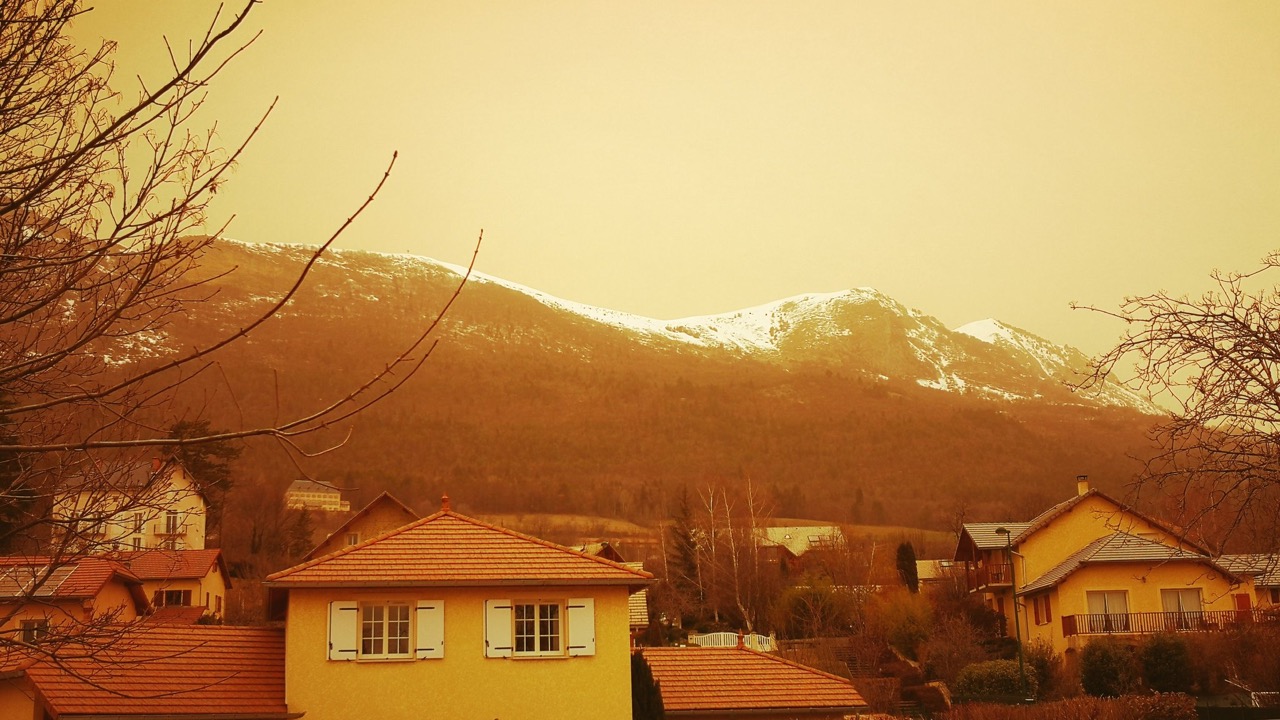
907	567
646	692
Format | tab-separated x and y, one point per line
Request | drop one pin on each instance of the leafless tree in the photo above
1215	359
103	201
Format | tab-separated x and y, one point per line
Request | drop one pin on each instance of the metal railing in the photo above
1156	622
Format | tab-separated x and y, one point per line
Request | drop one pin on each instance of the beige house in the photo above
1090	567
139	507
41	597
182	579
494	622
312	495
383	515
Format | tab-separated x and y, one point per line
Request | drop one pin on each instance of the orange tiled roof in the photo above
178	614
168	670
699	679
31	576
174	564
451	549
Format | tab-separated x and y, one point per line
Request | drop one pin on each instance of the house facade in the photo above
182	578
141	507
312	495
1090	567
383	515
41	598
519	626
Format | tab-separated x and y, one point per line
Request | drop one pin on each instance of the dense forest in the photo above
525	407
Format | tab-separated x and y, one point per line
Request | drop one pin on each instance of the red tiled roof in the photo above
452	549
174	564
704	679
178	614
168	670
68	578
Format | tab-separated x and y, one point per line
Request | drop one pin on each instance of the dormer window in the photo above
353	538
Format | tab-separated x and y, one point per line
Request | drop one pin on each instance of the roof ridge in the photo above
642	574
801	666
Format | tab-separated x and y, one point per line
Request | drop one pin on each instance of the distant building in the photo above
797	540
39	597
182	579
383	515
312	495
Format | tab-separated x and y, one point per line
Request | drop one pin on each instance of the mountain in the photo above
845	405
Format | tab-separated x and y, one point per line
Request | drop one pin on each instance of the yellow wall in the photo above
117	531
212	584
16	699
1091	519
1143	583
464	684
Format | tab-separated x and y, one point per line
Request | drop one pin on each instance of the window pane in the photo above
549	628
525	628
398	630
371	638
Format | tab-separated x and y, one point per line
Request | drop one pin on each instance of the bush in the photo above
1166	663
1107	668
1170	706
1045	664
993	680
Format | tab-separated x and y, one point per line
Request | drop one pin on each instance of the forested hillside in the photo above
526	407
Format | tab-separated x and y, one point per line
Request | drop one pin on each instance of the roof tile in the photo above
740	679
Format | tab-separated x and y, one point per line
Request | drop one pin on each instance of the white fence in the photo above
755	641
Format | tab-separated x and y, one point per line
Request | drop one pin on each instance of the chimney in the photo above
155	464
444	502
1082	485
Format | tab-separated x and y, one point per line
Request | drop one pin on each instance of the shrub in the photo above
1169	706
1166	663
953	646
1160	706
1106	668
994	679
1044	663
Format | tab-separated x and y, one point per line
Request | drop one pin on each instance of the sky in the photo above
675	158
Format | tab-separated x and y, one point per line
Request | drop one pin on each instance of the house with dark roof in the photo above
494	622
1092	566
1264	569
718	683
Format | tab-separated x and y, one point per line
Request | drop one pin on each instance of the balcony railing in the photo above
1156	622
991	574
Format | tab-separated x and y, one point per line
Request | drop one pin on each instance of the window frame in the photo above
385	623
1042	609
539	633
32	630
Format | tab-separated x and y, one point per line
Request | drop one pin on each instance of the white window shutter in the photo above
497	628
582	626
344	628
430	637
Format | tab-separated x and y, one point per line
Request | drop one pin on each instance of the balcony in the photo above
990	574
1157	622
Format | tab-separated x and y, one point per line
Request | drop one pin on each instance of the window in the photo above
170	598
137	522
1040	608
33	630
353	539
136	542
540	628
1275	596
1108	611
537	630
1182	608
392	630
384	630
172	522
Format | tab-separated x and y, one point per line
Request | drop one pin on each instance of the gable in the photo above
449	549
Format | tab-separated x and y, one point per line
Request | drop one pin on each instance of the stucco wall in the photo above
1093	518
1143	584
464	684
16	700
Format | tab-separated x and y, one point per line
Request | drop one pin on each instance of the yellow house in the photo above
41	598
1265	571
138	507
1091	566
450	617
182	578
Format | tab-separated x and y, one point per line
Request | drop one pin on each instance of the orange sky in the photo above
681	158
